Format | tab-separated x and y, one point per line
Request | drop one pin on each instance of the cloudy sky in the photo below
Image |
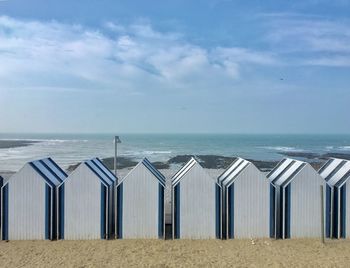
175	66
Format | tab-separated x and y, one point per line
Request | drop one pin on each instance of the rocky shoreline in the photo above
221	162
7	144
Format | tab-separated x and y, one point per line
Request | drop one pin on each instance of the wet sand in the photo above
180	253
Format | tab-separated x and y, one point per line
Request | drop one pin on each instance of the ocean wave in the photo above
157	152
344	148
283	148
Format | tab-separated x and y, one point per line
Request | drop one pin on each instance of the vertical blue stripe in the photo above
231	211
328	211
287	210
217	211
160	211
103	211
5	212
343	212
177	210
335	213
223	213
61	211
47	212
272	211
120	211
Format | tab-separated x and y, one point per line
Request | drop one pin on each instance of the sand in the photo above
179	253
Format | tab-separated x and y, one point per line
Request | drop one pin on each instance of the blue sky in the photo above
175	66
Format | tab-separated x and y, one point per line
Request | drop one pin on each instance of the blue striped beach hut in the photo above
245	201
336	173
297	203
195	203
140	203
29	201
86	203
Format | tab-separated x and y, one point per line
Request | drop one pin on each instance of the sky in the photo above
215	66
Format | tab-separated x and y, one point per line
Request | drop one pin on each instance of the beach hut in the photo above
140	203
195	203
29	203
245	201
297	199
336	173
86	208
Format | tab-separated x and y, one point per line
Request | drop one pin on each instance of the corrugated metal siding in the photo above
305	215
197	205
26	205
82	200
140	204
251	204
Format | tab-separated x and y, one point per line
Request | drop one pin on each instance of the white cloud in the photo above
309	39
130	58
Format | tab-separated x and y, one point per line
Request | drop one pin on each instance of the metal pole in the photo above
322	215
115	155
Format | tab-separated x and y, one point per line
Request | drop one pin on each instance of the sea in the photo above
68	149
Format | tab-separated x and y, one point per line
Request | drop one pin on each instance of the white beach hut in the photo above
245	201
297	199
140	203
336	173
29	203
86	209
195	203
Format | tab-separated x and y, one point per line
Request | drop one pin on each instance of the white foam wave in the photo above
283	148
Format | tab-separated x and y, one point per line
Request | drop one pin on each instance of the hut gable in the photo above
335	172
104	169
146	166
245	201
233	172
192	170
196	203
29	201
286	171
81	204
141	203
297	198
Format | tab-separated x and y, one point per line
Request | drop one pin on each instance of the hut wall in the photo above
251	204
140	204
305	215
26	205
197	205
82	205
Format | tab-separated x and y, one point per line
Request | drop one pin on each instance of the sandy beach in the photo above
180	253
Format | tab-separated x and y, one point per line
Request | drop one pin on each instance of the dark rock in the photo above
122	162
335	155
306	155
207	161
6	144
264	165
161	165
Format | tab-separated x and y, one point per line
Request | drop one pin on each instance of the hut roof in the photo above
49	170
335	171
178	175
104	169
232	172
55	168
98	172
285	171
147	164
184	170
